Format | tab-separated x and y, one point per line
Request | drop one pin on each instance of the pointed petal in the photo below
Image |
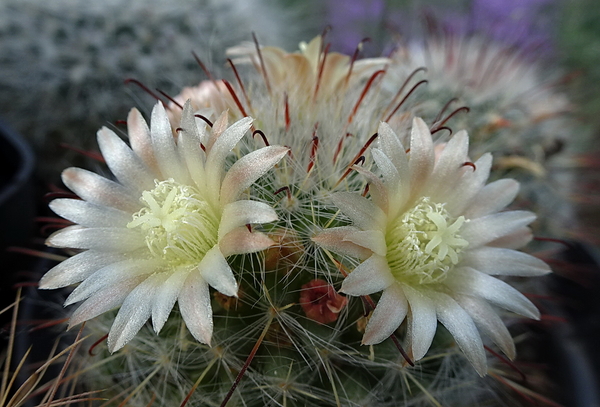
373	240
493	198
469	185
216	272
189	147
245	171
447	169
334	239
389	313
240	213
99	190
165	149
390	145
488	322
460	325
371	276
166	296
507	262
134	312
104	301
194	304
242	241
514	240
474	283
422	321
377	190
88	214
421	154
141	142
124	164
112	274
481	231
101	239
77	268
364	213
215	156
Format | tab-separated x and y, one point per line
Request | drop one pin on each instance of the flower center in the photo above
179	226
423	243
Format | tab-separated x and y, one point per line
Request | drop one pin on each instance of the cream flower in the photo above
432	239
162	231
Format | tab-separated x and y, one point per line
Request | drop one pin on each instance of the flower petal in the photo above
189	147
447	169
101	239
334	239
134	312
245	171
390	145
166	296
460	325
421	159
422	321
488	322
216	272
194	304
515	240
242	241
105	300
481	231
373	240
99	190
141	142
124	164
389	313
216	154
165	149
371	276
88	214
499	261
468	281
110	275
240	213
470	184
77	268
492	198
364	213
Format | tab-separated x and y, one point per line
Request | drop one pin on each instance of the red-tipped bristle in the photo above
410	92
98	342
287	191
240	83
91	154
205	119
470	164
507	362
451	115
265	74
262	135
354	58
339	146
313	150
368	86
366	190
443	110
144	88
406	81
176	103
321	69
357	158
203	67
235	98
288	121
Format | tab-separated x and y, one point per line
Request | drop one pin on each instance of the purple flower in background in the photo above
352	20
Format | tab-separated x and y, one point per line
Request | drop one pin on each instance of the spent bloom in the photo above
161	232
432	237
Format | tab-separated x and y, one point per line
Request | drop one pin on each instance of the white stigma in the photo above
423	243
179	226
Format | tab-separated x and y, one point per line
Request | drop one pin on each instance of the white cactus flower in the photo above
432	239
161	233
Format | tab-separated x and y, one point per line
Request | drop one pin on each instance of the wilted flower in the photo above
161	233
320	302
431	238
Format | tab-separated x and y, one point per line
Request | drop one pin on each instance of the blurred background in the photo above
64	66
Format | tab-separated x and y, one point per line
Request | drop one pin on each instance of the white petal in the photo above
101	239
373	240
245	171
364	213
124	164
189	147
488	322
481	231
139	137
471	184
422	322
166	296
371	276
389	313
499	261
134	312
460	325
103	301
88	214
194	304
493	198
421	153
242	241
390	145
77	268
377	190
334	239
240	213
514	240
165	150
472	282
112	274
99	190
215	157
447	169
216	272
